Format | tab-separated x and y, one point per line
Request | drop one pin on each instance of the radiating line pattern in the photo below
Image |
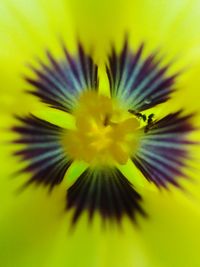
42	150
106	191
139	82
163	149
58	83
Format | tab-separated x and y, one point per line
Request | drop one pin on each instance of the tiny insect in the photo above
138	114
149	122
148	119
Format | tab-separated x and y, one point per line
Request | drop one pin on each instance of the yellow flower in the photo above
100	132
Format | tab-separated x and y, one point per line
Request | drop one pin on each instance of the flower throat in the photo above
105	132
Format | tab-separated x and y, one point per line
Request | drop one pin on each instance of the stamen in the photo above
105	132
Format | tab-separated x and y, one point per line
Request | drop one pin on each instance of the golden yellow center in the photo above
105	132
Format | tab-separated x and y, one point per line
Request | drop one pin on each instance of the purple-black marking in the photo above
106	191
140	82
42	150
163	150
59	82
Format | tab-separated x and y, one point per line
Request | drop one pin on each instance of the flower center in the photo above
105	132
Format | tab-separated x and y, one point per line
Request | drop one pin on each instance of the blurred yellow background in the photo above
34	230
